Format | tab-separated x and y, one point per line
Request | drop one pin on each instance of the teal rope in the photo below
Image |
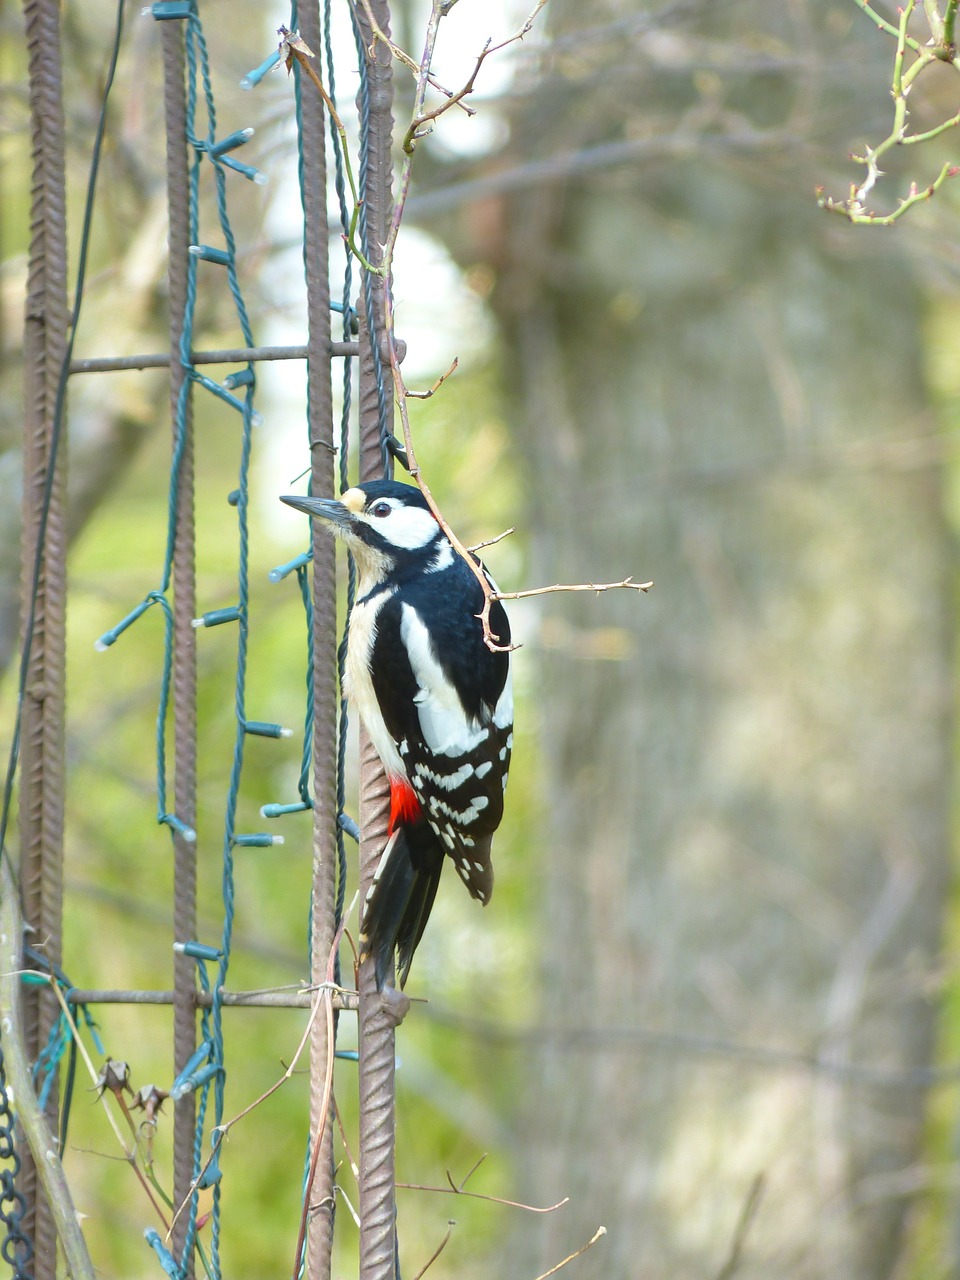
210	1070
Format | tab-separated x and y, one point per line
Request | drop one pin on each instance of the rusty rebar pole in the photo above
325	699
376	1021
184	634
42	725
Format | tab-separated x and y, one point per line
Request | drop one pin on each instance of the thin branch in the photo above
437	1252
354	1167
600	1232
404	58
883	25
467	1176
425	395
491	542
476	1195
854	212
339	1191
573	586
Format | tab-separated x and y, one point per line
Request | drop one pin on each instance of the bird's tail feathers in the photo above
400	899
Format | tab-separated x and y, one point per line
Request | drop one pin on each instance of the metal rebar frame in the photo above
42	786
184	634
377	1019
231	355
42	722
319	1240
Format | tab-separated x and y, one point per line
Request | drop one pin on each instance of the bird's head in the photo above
385	524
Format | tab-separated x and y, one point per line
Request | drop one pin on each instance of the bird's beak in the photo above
328	509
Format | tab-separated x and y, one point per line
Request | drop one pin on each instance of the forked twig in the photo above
912	58
457	1189
404	58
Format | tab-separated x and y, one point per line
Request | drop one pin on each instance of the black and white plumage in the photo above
435	700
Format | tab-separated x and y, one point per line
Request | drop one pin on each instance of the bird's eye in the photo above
381	509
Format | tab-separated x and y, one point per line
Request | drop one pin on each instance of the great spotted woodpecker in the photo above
435	700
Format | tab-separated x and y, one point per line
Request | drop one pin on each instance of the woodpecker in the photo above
435	700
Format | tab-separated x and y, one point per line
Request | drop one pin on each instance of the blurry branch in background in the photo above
911	60
747	1214
422	120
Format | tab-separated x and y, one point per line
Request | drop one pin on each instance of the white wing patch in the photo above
503	711
443	721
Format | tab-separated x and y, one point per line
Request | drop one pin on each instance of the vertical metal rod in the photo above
376	1026
42	729
184	657
325	697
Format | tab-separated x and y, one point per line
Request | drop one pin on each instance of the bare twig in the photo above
425	395
600	1232
457	1189
575	586
491	542
354	1167
437	1252
404	58
339	1191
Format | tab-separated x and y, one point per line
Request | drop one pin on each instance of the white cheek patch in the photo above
405	527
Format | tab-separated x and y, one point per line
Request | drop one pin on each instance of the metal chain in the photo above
17	1248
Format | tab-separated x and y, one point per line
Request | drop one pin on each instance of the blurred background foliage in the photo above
724	880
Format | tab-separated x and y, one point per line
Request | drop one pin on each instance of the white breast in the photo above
359	686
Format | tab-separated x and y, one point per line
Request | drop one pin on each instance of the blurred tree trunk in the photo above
716	386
